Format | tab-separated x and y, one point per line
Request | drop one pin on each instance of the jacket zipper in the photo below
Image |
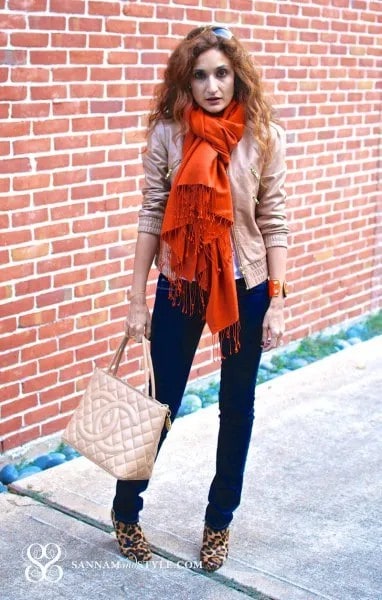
170	169
256	176
242	269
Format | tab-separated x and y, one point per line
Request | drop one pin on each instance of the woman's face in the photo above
212	81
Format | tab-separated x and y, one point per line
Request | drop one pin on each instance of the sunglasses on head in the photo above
222	32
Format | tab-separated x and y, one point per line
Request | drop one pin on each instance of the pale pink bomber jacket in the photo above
257	193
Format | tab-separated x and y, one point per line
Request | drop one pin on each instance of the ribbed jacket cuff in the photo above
275	239
149	225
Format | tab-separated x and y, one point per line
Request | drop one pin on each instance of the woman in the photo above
213	215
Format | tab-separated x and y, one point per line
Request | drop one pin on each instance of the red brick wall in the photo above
76	79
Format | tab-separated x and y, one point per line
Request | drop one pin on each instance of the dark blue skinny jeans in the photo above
174	339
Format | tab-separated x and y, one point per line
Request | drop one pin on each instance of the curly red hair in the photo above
173	96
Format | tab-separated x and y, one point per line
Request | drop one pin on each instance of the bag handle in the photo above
147	363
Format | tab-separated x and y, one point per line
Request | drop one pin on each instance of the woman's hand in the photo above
273	325
138	321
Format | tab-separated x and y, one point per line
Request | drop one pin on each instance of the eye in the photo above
222	72
199	75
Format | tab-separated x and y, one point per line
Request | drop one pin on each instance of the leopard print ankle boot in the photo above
131	540
214	550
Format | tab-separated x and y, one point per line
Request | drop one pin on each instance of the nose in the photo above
212	85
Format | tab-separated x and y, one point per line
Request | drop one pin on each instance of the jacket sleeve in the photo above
270	211
156	187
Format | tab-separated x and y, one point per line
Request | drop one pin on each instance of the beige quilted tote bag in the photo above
117	426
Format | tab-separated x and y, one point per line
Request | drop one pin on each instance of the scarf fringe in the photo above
188	295
200	226
196	204
192	299
187	210
230	336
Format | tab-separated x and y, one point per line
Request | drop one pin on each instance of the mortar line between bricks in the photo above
218	577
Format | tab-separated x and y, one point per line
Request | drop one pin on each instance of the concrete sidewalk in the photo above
309	526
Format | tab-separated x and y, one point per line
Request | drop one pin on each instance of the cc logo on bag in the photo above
104	423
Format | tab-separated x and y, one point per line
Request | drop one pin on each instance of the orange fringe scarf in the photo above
198	220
